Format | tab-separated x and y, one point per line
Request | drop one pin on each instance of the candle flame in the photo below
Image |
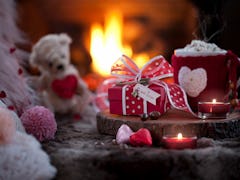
179	136
214	101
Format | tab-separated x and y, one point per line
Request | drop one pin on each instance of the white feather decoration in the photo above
14	91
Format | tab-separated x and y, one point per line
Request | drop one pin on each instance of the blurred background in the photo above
103	29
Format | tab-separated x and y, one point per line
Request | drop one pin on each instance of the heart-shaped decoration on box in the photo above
192	81
141	138
66	87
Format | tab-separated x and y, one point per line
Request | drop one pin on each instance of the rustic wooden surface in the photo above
173	121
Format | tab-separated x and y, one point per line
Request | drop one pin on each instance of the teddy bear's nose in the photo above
60	67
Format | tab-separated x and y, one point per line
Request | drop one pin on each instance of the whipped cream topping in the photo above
200	48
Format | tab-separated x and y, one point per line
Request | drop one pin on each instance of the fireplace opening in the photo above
103	30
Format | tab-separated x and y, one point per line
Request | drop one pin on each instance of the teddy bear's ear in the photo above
33	57
65	39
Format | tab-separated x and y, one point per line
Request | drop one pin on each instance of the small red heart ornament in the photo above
2	94
12	50
66	87
141	138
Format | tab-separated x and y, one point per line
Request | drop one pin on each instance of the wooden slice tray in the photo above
172	121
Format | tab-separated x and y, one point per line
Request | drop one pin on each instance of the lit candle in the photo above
213	109
179	142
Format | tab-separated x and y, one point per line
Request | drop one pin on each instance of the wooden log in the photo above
173	121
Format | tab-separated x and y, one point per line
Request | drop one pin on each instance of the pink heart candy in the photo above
123	134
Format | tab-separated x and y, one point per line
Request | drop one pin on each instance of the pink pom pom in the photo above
7	126
40	122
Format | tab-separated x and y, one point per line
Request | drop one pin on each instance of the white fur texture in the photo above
18	93
21	157
15	117
24	159
21	154
8	16
48	54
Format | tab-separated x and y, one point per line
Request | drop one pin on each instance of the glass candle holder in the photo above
213	109
179	141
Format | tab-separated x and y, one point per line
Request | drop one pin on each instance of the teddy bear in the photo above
59	84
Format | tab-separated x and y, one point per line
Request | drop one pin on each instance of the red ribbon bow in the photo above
155	69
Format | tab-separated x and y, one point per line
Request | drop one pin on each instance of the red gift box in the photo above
141	91
122	101
218	70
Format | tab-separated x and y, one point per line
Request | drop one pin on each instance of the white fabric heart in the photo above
193	82
123	134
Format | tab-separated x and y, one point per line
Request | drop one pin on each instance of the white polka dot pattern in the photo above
177	97
135	105
156	67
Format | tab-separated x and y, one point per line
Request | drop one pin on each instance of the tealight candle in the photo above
213	109
179	142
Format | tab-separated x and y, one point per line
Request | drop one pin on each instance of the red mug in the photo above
205	77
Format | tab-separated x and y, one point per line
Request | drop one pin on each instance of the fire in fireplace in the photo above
106	44
139	29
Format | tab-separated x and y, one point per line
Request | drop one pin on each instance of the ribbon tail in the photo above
166	103
178	98
101	101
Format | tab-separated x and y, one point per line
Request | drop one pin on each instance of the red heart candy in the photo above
66	87
141	138
2	94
